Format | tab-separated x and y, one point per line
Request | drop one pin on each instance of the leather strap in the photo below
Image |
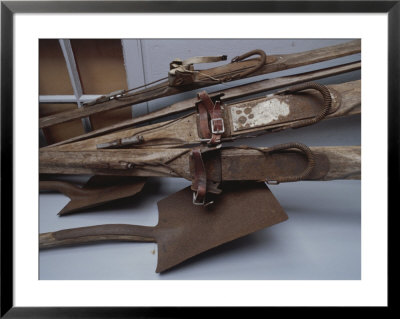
203	120
209	110
183	73
199	184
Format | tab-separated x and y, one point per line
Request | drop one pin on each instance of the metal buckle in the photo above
217	131
105	98
203	203
195	202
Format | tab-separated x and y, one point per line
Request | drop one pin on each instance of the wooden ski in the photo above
228	95
237	163
241	119
273	63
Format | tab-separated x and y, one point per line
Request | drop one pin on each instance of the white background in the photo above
370	290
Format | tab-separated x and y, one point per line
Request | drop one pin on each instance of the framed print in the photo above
153	119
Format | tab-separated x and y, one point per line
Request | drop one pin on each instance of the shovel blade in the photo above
186	230
103	189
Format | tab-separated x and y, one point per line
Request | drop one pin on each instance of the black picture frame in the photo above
9	8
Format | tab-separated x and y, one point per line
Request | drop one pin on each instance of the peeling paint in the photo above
260	114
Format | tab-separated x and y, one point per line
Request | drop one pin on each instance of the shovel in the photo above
98	190
185	230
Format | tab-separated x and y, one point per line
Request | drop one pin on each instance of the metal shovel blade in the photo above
98	190
185	230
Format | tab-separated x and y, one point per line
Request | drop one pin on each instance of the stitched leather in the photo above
210	111
199	184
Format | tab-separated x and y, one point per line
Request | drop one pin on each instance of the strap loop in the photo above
208	109
292	178
326	95
199	184
262	59
182	72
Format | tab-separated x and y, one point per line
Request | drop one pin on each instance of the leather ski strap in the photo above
209	110
199	184
274	180
206	172
183	73
207	169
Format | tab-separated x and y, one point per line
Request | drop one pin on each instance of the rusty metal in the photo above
98	190
185	230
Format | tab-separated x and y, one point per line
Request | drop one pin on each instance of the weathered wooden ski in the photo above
241	119
237	163
228	72
242	208
228	95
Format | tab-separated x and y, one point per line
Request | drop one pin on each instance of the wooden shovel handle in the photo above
109	232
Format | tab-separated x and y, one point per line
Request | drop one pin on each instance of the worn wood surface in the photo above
237	164
345	162
49	240
346	101
184	130
112	162
229	94
281	62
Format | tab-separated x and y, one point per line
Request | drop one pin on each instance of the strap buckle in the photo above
104	98
202	203
217	120
195	202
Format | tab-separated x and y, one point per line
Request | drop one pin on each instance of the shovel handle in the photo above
109	232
